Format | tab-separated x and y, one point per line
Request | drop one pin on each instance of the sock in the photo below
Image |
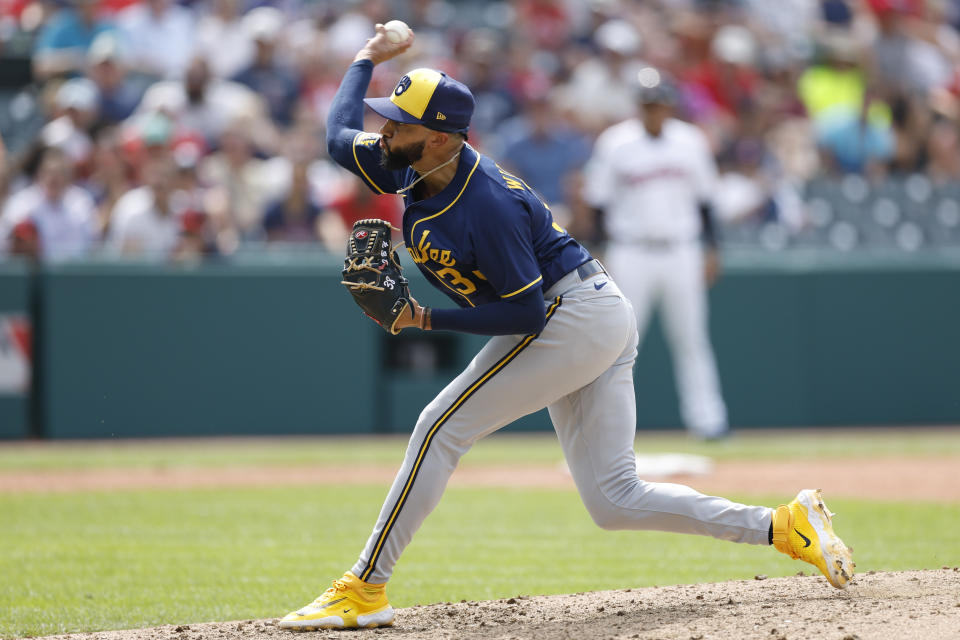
770	533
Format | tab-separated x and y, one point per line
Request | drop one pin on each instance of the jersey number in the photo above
457	282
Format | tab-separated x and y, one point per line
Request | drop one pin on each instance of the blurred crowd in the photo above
187	130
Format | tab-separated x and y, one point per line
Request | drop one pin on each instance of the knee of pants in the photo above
610	517
607	512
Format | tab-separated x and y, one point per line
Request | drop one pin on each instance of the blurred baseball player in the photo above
652	179
564	337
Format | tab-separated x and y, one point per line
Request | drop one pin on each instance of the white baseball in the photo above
397	31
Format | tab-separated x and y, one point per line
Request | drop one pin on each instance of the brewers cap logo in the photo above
402	86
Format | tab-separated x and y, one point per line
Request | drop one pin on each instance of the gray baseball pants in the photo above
581	368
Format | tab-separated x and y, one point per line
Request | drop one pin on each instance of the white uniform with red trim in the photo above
650	189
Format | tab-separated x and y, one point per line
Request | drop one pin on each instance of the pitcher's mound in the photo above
902	605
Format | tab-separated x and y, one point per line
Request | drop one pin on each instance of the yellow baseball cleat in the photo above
350	603
803	529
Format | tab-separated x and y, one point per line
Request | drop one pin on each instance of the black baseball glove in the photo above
372	274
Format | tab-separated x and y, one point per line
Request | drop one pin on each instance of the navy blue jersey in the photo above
486	237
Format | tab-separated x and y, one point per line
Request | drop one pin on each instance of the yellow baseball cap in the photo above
430	98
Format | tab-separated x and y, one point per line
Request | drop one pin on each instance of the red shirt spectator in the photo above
362	203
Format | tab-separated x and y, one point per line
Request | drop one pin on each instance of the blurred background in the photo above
171	228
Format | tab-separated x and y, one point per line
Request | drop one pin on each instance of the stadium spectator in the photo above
910	122
75	114
856	142
110	177
540	146
785	91
223	40
608	74
118	94
158	37
267	75
912	53
356	202
835	80
240	187
492	92
203	105
62	213
319	79
296	216
63	42
24	241
146	221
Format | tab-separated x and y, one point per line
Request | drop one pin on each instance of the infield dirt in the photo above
902	605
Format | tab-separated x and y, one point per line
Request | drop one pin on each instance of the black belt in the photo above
589	269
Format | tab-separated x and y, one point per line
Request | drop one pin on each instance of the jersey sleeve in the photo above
363	159
503	245
352	148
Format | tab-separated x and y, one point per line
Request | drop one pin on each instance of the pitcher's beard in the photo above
396	159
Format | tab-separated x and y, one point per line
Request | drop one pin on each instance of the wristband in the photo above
424	319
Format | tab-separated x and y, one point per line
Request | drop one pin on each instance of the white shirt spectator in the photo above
140	228
226	45
161	43
66	227
651	187
595	77
224	102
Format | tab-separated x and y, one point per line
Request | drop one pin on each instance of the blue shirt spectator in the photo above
267	76
119	93
62	44
855	142
543	149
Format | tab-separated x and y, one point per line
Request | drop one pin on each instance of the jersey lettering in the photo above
457	281
424	251
512	181
421	253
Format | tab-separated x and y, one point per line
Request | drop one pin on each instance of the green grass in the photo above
128	559
133	558
508	448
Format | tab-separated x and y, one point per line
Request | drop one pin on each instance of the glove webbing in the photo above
362	264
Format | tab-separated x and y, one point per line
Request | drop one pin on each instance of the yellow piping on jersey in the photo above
504	361
442	211
357	160
523	288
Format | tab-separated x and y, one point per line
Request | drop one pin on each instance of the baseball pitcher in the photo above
563	337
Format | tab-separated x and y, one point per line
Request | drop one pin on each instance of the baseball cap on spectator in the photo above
734	44
618	36
156	130
164	97
187	152
430	98
25	230
104	48
78	93
263	24
654	88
